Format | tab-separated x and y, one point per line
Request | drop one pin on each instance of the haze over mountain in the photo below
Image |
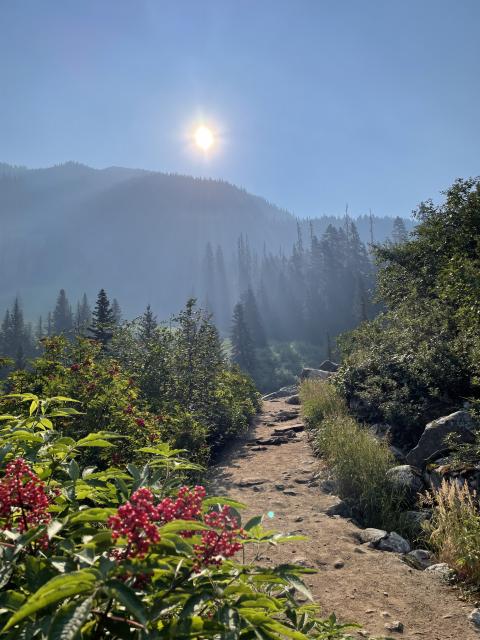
140	234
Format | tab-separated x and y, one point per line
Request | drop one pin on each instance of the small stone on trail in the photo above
279	487
474	617
394	626
258	448
338	564
251	482
298	519
359	550
441	571
289	493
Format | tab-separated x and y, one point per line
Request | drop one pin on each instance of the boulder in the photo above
372	536
419	558
314	374
338	508
474	617
432	441
405	480
293	400
284	392
415	519
397	454
441	571
395	543
328	365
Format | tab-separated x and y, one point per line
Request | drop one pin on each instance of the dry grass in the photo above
359	461
454	530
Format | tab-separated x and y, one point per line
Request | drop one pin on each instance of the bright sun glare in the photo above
204	138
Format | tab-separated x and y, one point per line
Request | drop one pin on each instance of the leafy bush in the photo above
126	553
359	461
419	359
173	385
454	530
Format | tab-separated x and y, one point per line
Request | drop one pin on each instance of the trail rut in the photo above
371	587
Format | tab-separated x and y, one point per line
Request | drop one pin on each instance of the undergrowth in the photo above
454	529
358	460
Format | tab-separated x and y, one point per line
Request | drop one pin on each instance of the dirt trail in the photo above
371	587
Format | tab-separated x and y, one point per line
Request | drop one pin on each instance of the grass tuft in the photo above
359	460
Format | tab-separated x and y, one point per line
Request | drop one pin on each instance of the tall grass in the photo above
358	460
454	530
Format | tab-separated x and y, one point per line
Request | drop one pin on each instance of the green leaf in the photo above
93	514
70	619
184	525
220	500
73	470
57	589
129	599
253	522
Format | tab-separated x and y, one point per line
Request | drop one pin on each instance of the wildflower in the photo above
140	422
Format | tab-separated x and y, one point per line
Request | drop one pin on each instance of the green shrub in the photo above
358	460
126	553
454	530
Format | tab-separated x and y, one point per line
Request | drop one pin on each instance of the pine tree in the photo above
224	309
253	319
399	231
62	315
83	316
103	320
49	324
243	350
39	331
148	325
117	312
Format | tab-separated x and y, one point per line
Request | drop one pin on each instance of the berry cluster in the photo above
24	502
135	521
220	544
138	520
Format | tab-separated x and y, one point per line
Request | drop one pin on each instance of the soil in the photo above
287	484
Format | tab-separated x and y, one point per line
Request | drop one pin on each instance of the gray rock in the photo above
284	392
273	441
314	374
328	365
416	519
419	559
372	536
432	441
395	543
441	571
397	454
338	564
293	400
395	626
475	617
290	428
251	482
338	508
406	481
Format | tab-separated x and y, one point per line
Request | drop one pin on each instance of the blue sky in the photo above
316	102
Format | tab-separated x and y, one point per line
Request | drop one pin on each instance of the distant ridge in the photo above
140	234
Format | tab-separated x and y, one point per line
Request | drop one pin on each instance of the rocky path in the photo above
279	476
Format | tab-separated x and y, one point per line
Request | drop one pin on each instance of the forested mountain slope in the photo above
143	233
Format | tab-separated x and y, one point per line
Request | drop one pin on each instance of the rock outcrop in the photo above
432	443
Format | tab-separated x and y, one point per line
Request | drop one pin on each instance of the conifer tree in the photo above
103	320
62	315
399	231
148	324
253	320
117	312
243	350
83	316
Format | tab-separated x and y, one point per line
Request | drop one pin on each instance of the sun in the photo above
204	138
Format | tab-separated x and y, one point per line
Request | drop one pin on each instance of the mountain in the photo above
140	234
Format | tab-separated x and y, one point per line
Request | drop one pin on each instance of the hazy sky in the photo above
318	102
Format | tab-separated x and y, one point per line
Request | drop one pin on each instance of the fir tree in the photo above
399	231
103	320
62	315
253	319
243	350
148	325
83	316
